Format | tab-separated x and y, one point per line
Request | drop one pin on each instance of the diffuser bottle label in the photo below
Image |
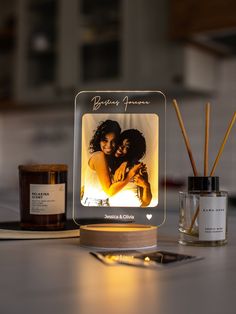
212	218
47	199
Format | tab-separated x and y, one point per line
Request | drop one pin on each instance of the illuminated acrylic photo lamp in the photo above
119	150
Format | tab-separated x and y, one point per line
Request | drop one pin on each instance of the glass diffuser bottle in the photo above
203	213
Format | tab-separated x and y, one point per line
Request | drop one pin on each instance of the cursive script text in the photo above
98	102
127	102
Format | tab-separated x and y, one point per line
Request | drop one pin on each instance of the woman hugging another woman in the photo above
130	150
98	185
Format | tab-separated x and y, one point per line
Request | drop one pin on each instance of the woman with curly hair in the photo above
130	150
98	185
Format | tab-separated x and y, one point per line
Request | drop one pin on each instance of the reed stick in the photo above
206	148
194	219
186	140
223	144
215	163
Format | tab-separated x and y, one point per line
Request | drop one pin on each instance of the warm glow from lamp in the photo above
127	199
119	258
148	124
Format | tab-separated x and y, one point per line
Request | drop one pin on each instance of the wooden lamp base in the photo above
118	236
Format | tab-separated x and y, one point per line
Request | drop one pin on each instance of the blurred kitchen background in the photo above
50	50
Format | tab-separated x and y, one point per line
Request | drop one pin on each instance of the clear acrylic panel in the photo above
119	173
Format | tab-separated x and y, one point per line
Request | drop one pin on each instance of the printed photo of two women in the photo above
119	161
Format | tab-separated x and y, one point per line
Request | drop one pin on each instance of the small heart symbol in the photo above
149	216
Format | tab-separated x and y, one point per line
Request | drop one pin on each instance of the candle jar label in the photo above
47	199
212	218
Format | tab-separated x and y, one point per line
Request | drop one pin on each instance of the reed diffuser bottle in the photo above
203	213
203	209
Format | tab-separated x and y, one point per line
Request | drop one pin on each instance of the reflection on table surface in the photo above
59	276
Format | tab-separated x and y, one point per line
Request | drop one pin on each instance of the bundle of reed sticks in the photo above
206	146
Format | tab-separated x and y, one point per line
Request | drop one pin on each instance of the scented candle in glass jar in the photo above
43	196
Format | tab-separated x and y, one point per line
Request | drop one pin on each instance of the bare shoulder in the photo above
98	155
96	158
